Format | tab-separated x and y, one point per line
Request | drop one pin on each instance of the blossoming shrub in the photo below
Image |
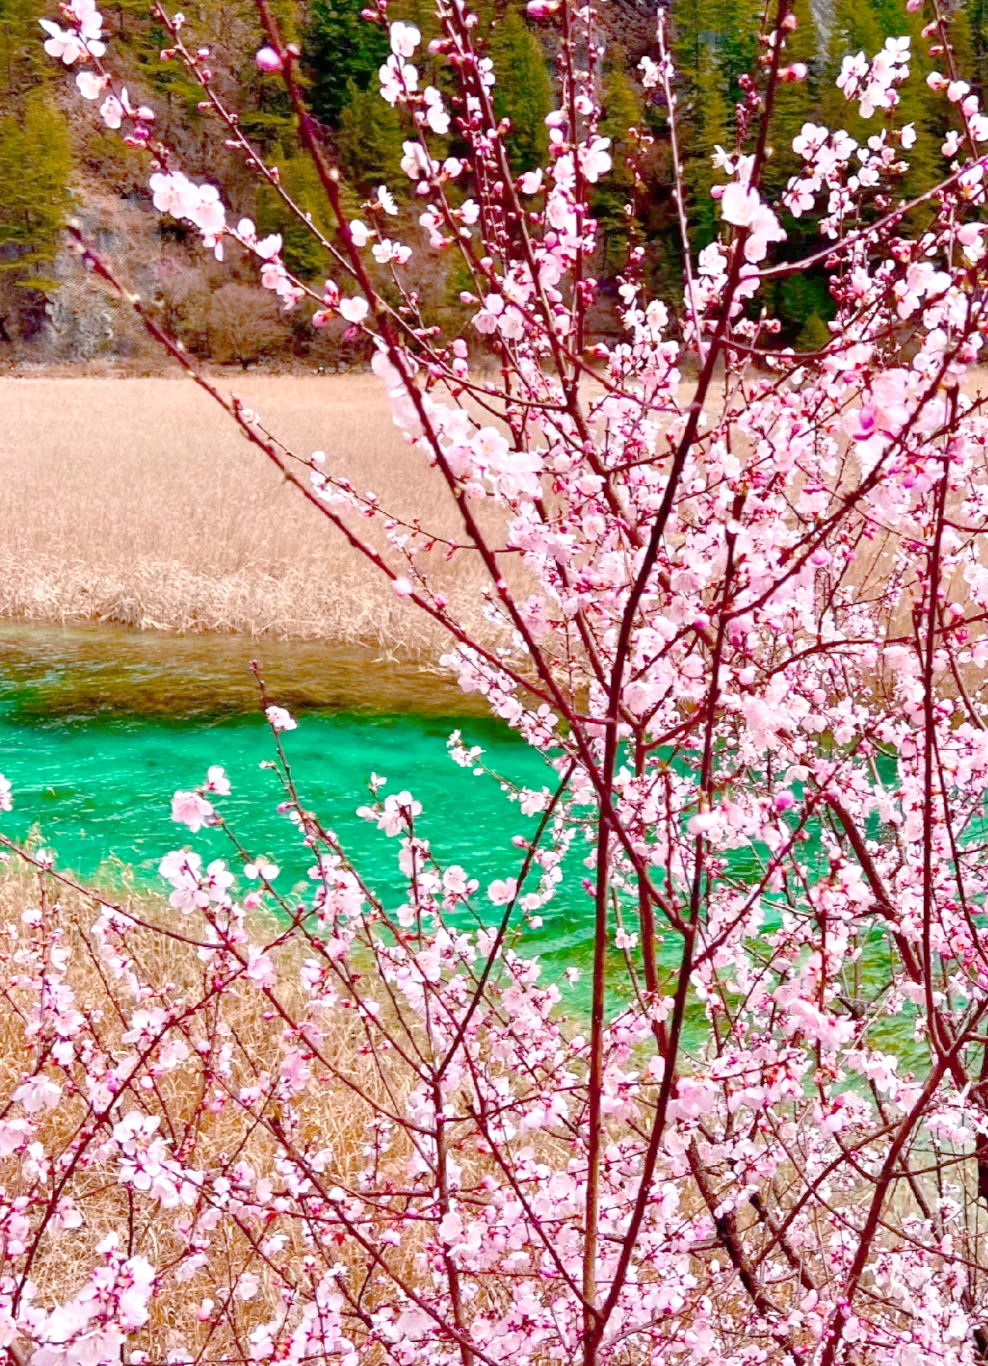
751	650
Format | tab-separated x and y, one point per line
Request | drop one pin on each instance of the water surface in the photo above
98	727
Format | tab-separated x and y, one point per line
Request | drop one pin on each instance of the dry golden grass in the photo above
136	501
329	1117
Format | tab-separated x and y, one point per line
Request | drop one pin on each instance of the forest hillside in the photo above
57	159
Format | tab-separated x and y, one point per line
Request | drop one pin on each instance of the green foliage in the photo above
302	252
795	104
36	168
35	171
815	334
341	50
709	129
23	61
622	111
803	296
369	139
523	92
714	44
971	37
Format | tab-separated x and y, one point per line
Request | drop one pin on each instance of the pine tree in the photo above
972	17
795	104
622	111
302	252
35	171
23	62
341	50
523	92
35	167
714	44
369	139
709	128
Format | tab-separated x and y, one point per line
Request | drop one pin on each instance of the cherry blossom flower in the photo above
90	84
354	310
398	80
217	781
37	1093
595	159
191	809
404	38
267	60
385	199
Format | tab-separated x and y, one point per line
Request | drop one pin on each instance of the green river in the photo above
98	727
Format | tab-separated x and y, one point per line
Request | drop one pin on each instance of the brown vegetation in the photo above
137	502
244	323
330	1116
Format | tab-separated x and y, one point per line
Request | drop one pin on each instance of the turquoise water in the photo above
99	727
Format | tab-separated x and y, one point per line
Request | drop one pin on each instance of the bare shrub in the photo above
185	301
243	324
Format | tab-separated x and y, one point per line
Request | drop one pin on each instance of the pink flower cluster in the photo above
733	597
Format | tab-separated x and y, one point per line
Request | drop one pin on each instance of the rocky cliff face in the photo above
85	321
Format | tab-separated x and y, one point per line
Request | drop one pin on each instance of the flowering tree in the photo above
741	616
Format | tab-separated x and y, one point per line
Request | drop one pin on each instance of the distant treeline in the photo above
54	154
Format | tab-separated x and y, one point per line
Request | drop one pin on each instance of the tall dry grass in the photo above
136	501
330	1117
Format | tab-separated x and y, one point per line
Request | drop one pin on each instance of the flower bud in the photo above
268	60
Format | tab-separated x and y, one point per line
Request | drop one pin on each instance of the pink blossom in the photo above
191	809
405	38
502	890
268	60
740	204
217	781
37	1093
90	85
354	310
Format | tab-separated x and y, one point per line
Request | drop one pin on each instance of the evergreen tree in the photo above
523	92
973	18
35	167
302	252
709	127
795	104
35	170
369	139
341	50
622	111
23	62
714	44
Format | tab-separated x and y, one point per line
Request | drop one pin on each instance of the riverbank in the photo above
99	727
136	502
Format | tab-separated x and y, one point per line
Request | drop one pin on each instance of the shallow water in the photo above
99	727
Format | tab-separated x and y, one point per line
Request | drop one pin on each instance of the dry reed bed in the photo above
330	1121
329	1117
138	502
